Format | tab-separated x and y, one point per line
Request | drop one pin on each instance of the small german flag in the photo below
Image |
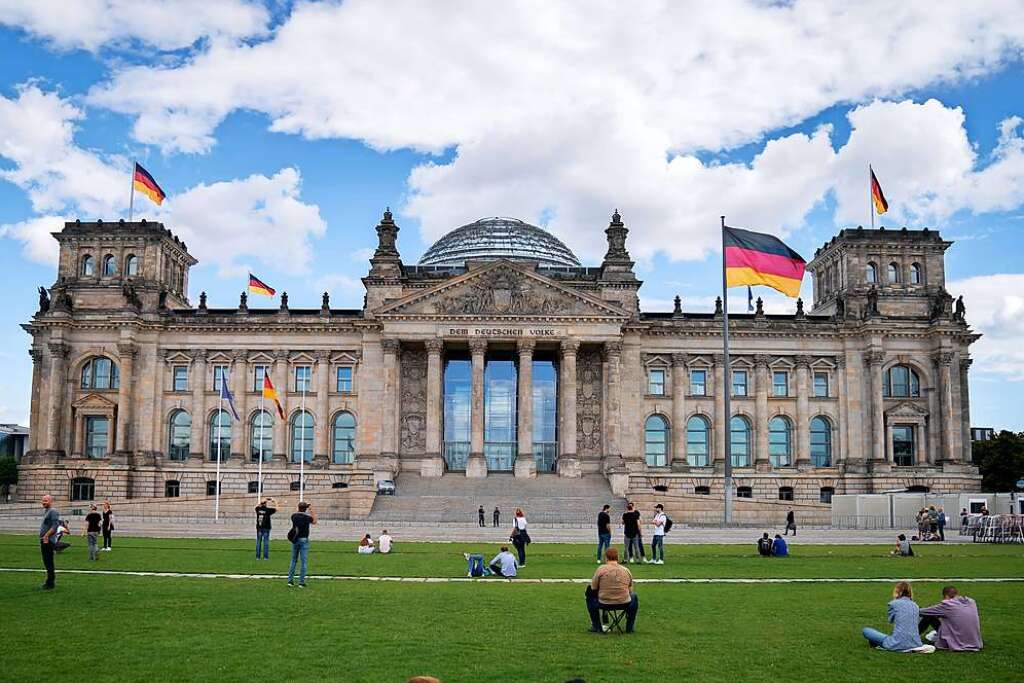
881	206
269	392
144	183
258	286
754	258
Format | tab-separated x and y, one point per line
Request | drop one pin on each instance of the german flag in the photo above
270	393
754	258
144	183
258	286
881	206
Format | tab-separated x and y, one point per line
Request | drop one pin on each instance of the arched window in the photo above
220	436
826	493
261	436
821	442
785	493
656	441
83	488
100	373
871	273
916	274
740	441
894	272
172	488
302	436
780	441
131	265
179	435
698	432
109	265
344	438
744	492
901	382
88	266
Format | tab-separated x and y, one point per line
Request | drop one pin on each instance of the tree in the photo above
8	474
1001	461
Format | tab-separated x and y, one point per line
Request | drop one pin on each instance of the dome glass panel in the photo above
490	239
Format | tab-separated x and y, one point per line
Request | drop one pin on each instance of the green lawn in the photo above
125	628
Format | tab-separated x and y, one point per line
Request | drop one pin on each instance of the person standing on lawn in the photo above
299	536
92	531
264	511
942	523
604	531
48	527
904	615
496	518
612	586
520	536
108	525
631	532
658	538
790	523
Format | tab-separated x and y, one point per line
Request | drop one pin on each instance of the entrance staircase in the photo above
453	499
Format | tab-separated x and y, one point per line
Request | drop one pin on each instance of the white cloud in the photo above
166	24
346	291
259	217
995	307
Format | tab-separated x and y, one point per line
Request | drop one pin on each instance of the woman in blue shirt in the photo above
904	616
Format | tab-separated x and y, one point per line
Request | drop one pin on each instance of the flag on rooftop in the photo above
144	183
877	197
258	286
756	258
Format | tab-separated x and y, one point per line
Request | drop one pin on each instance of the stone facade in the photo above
868	391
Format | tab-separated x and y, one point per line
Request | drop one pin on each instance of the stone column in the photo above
568	463
526	464
322	428
389	435
965	410
34	422
239	429
281	431
613	415
761	460
803	412
126	352
197	381
433	463
476	466
875	359
677	454
58	385
949	421
721	419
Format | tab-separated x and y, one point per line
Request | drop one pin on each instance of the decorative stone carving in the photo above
942	358
802	361
435	345
589	432
127	350
505	291
390	346
677	307
570	346
36	355
477	346
616	233
414	401
680	359
202	301
612	350
762	360
874	357
284	301
526	346
243	302
44	300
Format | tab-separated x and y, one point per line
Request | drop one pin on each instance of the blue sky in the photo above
280	131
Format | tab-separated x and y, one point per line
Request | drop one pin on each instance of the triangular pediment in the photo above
502	289
906	409
94	401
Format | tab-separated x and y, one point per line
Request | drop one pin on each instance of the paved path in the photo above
448	579
353	530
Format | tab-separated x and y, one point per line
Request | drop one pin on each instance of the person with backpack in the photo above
661	524
520	536
299	537
790	523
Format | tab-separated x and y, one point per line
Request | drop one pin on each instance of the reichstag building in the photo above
498	352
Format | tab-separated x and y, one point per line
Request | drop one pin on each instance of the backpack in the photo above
292	533
668	524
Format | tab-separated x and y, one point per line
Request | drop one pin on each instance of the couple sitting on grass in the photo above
955	621
504	564
366	547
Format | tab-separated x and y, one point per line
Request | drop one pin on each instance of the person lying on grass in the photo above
904	615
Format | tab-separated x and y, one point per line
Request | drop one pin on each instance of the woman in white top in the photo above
520	538
365	545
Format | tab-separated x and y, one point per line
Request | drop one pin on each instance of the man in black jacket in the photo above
631	530
604	531
264	511
764	546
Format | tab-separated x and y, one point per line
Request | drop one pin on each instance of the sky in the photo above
281	130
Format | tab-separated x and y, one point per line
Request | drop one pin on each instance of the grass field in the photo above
131	628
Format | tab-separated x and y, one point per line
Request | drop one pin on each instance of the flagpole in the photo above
871	197
263	425
726	388
302	445
220	412
131	197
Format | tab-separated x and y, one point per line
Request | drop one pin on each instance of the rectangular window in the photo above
220	373
180	378
780	384
739	382
344	380
903	447
97	436
303	378
656	382
212	487
698	382
258	373
821	384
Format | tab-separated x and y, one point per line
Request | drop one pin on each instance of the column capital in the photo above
127	350
762	360
802	362
874	357
240	355
612	350
281	356
943	358
477	346
965	364
719	359
58	349
570	347
390	346
680	360
434	345
36	355
526	346
841	362
198	355
323	356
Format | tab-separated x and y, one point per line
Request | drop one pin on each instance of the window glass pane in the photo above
821	384
261	437
303	378
220	373
344	380
180	378
545	413
785	493
780	439
96	436
656	382
179	436
740	442
220	436
109	265
258	373
656	441
101	373
172	489
903	446
457	387
87	375
132	266
302	437
821	442
871	273
739	383
500	380
744	492
697	432
915	274
780	384
87	265
894	273
698	382
826	493
344	438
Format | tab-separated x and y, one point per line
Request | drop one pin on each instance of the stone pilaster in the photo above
803	412
322	421
126	351
239	429
433	464
950	422
874	360
526	464
568	463
281	430
389	437
965	409
34	422
476	466
58	385
839	454
197	383
761	385
677	453
717	455
613	414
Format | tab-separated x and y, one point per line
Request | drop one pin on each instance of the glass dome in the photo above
490	239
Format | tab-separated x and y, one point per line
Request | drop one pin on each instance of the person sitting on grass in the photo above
902	548
384	543
956	623
904	615
779	547
764	545
365	545
504	563
611	588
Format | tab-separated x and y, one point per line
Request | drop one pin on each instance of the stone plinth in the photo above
525	468
569	466
476	467
432	466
